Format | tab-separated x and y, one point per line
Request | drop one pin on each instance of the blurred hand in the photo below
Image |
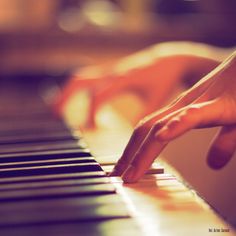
90	78
153	80
211	102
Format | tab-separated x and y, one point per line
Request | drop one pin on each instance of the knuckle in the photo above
157	126
174	123
184	117
189	113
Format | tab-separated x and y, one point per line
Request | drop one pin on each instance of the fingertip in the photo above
217	158
129	175
118	168
115	172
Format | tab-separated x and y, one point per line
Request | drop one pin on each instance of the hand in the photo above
211	102
151	78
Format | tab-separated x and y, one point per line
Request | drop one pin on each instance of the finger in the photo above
135	141
144	157
143	129
139	141
140	133
175	122
222	148
193	116
105	91
152	146
72	87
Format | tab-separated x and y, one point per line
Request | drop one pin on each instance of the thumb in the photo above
222	148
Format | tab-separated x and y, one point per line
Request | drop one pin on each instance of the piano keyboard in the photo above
52	185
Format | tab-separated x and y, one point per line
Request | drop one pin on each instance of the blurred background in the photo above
56	36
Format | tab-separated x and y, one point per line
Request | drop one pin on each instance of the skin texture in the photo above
152	75
210	102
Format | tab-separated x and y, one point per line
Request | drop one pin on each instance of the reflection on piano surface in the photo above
50	184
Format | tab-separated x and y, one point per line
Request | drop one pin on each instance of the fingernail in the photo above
128	176
161	134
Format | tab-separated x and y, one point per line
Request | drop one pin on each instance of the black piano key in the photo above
58	161
53	184
111	227
55	193
50	169
32	127
32	130
36	115
34	147
36	137
44	155
43	191
25	124
52	177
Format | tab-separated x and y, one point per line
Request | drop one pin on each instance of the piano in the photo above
52	185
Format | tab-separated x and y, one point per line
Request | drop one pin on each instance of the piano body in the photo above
51	184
